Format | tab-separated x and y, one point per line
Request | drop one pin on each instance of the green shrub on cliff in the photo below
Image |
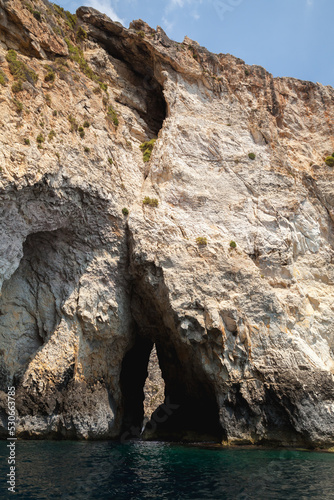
251	156
51	135
19	69
73	122
71	20
50	76
147	148
17	87
3	79
330	161
112	116
19	106
152	202
77	56
201	241
81	34
37	15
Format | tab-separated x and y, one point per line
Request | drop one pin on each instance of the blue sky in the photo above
287	37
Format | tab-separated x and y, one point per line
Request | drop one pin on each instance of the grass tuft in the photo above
152	202
112	116
147	148
201	241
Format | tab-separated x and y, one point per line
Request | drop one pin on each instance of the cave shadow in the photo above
190	410
138	71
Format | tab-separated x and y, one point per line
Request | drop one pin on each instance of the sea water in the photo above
155	470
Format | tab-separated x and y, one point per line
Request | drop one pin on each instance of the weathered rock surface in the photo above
244	335
154	388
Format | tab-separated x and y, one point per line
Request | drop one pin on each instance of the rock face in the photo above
154	388
229	273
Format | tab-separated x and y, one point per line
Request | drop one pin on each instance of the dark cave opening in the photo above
139	70
189	412
146	85
132	380
156	104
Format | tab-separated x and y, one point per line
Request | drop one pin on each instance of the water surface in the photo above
143	470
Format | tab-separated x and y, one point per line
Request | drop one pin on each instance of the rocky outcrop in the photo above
227	268
32	29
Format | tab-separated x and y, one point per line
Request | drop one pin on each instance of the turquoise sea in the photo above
155	470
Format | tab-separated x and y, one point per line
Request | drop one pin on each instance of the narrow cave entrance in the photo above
144	85
137	68
190	411
156	110
179	406
132	380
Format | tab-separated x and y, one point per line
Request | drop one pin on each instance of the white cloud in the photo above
167	25
309	3
174	4
105	7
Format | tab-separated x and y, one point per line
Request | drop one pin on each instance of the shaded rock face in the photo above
243	331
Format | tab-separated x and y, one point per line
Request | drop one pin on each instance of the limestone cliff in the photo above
227	267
